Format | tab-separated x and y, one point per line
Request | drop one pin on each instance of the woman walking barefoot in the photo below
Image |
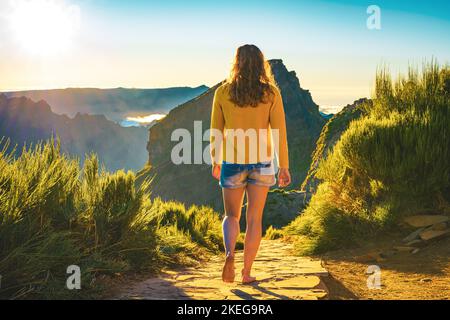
247	128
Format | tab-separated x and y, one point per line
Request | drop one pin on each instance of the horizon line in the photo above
102	88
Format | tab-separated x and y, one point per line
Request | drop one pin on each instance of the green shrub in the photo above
54	214
272	233
201	224
387	164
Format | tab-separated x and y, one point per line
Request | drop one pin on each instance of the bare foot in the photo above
247	278
228	269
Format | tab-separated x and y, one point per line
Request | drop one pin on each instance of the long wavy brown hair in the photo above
251	79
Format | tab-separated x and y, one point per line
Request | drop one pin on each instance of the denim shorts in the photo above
235	175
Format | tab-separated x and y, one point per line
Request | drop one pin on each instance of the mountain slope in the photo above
115	104
330	134
192	183
23	120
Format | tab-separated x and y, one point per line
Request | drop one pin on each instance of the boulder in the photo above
414	242
439	226
413	236
425	220
430	234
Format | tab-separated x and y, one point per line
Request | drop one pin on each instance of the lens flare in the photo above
44	27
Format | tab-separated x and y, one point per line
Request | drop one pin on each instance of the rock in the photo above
404	249
414	242
282	207
425	220
295	282
426	280
414	235
433	234
439	226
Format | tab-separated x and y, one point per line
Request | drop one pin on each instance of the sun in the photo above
44	27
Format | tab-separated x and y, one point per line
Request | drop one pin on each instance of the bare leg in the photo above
232	199
256	198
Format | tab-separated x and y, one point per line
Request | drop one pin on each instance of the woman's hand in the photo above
284	177
216	171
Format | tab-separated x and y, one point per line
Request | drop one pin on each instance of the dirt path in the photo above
281	275
422	276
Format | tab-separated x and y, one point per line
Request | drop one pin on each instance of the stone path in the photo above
281	276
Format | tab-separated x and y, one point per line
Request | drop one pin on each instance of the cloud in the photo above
147	119
330	109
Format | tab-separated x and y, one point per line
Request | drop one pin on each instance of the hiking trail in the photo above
280	275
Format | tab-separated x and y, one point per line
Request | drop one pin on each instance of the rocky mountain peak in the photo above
43	106
304	124
281	73
25	104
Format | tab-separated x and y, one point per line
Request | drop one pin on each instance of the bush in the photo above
390	163
54	214
200	225
272	233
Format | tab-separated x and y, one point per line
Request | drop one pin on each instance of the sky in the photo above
152	44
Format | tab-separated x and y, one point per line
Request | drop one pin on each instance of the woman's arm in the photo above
216	130
278	122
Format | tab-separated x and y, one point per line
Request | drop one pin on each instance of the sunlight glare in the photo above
44	27
147	119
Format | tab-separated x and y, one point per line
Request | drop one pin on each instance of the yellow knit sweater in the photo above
248	133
